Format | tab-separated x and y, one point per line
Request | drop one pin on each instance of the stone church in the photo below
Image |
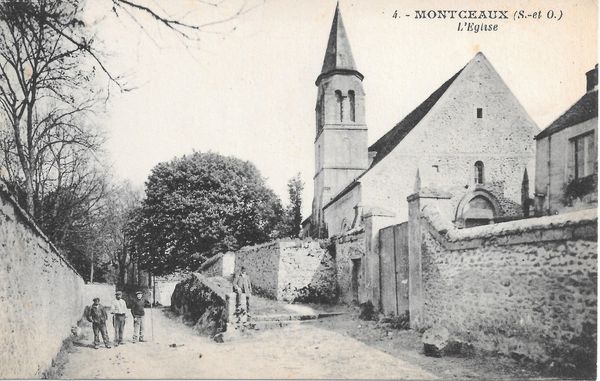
471	138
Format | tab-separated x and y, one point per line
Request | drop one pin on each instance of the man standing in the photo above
119	311
242	285
97	316
137	311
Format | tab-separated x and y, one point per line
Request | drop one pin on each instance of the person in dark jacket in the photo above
137	310
96	314
242	285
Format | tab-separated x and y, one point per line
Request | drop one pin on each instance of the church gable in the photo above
393	137
472	123
476	114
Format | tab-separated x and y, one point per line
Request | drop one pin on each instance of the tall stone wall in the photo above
106	293
525	288
349	252
41	295
289	270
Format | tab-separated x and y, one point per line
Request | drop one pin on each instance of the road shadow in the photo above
82	345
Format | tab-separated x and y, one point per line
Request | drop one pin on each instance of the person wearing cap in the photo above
137	311
96	314
119	311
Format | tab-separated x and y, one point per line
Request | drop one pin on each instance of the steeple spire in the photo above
338	56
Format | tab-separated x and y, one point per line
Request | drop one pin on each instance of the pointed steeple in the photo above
338	56
417	187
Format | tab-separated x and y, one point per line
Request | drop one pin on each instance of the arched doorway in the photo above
477	208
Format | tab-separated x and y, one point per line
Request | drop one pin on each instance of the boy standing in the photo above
97	316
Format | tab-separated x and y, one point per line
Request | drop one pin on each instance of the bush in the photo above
577	188
367	311
401	321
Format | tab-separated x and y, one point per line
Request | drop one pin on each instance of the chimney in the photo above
592	79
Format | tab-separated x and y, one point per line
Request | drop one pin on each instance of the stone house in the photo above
471	137
566	170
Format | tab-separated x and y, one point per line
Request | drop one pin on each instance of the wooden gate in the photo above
393	269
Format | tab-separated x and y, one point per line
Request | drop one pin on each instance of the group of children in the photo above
96	314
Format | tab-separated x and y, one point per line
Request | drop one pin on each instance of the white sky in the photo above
251	93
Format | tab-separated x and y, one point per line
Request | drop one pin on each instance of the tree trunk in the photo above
92	269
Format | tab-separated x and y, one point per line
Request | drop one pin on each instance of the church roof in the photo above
584	109
338	56
393	137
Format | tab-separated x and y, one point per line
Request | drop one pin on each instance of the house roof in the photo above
393	137
584	109
338	55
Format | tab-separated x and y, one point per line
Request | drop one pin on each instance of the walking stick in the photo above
152	322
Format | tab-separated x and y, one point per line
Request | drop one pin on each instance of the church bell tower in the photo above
341	131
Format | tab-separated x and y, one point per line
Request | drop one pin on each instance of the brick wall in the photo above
289	270
526	288
40	292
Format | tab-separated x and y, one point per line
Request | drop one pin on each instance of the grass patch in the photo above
59	361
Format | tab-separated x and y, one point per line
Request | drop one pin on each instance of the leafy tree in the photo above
293	211
199	205
51	62
111	236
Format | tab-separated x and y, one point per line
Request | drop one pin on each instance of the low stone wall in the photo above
301	271
262	265
349	253
525	288
204	301
219	265
106	293
306	273
41	295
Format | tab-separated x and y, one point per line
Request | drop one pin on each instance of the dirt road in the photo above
296	351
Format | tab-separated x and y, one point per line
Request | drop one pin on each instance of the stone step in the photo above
262	322
295	317
273	324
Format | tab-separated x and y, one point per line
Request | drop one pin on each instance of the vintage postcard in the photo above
316	189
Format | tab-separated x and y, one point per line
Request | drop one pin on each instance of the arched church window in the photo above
352	106
478	172
340	104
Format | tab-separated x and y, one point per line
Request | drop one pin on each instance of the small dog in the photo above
75	330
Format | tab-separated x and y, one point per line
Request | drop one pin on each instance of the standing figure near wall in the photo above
137	311
119	311
242	285
96	315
